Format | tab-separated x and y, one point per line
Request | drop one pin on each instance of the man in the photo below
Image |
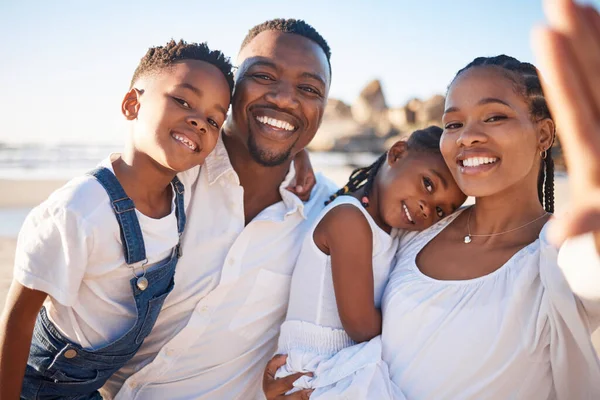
219	326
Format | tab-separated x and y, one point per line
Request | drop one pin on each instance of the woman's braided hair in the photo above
527	83
426	140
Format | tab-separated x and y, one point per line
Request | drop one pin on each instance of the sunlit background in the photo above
65	66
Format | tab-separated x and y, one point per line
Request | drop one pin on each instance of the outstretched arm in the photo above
568	52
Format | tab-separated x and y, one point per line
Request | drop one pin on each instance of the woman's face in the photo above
490	142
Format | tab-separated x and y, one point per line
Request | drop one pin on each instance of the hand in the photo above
568	53
276	389
305	180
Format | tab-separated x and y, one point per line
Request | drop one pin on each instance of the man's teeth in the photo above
407	213
275	123
477	161
185	141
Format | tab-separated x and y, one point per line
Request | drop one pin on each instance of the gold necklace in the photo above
470	236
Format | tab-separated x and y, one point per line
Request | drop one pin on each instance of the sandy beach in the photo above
18	196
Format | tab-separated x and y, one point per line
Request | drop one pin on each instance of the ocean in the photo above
38	162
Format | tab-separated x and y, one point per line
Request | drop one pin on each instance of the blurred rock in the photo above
431	111
368	125
370	104
337	109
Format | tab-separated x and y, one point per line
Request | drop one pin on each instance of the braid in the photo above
359	178
527	82
549	182
426	140
371	178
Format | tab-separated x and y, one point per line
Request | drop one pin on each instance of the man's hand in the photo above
276	389
305	180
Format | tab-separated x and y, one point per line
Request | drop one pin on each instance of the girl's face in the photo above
490	142
415	189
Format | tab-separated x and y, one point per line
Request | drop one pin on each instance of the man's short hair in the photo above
295	26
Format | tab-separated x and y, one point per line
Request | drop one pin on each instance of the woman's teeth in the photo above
275	123
191	145
477	161
407	213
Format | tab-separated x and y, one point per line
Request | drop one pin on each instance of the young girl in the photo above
344	265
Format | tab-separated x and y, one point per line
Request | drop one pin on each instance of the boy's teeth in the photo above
185	141
477	161
407	213
275	122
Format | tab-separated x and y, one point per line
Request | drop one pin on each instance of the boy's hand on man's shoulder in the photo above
304	181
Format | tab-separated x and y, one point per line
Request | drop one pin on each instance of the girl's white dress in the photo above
312	335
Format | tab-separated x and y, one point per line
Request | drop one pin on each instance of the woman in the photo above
478	306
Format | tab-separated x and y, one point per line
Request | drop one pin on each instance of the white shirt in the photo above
516	333
219	326
70	248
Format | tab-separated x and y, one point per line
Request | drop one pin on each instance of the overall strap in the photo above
124	209
179	205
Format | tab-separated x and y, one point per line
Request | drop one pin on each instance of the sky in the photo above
66	64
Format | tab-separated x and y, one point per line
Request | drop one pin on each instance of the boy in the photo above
100	253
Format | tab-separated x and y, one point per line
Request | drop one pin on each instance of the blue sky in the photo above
66	64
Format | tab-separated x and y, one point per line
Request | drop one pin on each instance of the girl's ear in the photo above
397	151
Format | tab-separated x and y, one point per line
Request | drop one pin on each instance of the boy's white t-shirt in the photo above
70	247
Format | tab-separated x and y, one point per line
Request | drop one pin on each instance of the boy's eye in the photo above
440	212
428	184
182	102
453	125
213	123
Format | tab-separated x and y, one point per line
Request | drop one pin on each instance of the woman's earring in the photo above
544	154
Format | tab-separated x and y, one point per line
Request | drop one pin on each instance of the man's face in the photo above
280	95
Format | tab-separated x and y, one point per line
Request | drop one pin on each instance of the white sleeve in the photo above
571	280
579	260
52	253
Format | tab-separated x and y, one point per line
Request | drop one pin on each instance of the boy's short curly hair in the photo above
160	57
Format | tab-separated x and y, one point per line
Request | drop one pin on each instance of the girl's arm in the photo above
16	329
345	234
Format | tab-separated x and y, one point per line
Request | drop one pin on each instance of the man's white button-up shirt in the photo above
219	326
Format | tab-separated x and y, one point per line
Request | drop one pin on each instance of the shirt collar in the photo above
218	166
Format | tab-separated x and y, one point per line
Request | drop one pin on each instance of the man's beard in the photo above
267	158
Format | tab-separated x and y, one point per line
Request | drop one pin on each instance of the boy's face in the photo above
177	113
280	95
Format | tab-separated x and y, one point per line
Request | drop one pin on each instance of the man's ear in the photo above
397	151
131	104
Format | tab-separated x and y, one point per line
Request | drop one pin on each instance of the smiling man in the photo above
218	328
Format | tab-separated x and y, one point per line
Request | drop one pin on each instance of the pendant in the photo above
468	239
142	283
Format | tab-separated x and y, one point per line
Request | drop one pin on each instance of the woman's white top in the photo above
519	332
312	296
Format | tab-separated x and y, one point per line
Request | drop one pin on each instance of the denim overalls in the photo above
60	369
